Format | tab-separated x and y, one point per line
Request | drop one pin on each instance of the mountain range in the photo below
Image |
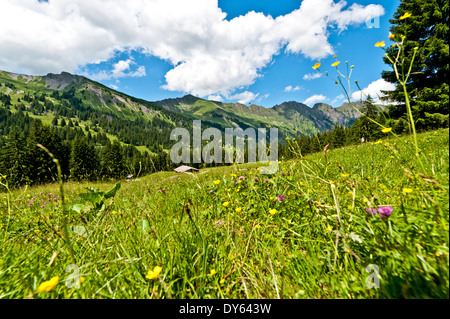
291	118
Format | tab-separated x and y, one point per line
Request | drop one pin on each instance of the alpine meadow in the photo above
355	205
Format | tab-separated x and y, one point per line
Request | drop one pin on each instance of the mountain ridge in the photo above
290	117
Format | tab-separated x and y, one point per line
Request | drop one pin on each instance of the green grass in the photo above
316	245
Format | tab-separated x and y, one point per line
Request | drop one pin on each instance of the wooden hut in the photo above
186	169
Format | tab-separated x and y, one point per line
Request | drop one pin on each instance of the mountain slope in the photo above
78	92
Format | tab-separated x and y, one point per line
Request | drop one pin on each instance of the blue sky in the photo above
165	49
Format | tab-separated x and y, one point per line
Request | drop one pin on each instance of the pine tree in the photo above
113	165
426	29
42	167
84	161
13	160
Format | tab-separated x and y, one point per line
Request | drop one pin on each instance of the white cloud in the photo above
374	90
340	98
217	98
289	88
121	69
209	54
317	98
244	97
263	97
312	76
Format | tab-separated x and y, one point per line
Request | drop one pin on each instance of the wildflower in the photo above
273	211
217	182
238	210
316	66
256	178
407	190
153	274
266	180
241	178
378	142
226	204
385	211
391	36
257	226
48	285
281	198
222	281
329	228
210	191
213	272
335	56
345	175
336	63
352	66
405	16
282	174
386	130
371	211
380	44
43	206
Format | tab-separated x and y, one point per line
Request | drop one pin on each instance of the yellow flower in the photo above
391	36
405	16
238	210
273	211
378	142
316	66
335	56
407	190
48	285
258	226
212	272
82	279
379	44
329	228
226	204
153	274
217	182
222	281
345	175
350	207
386	130
336	63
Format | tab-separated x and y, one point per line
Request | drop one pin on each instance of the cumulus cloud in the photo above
216	98
312	76
244	97
374	90
289	88
121	69
209	54
317	98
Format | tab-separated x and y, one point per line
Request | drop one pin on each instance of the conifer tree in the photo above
427	30
84	161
